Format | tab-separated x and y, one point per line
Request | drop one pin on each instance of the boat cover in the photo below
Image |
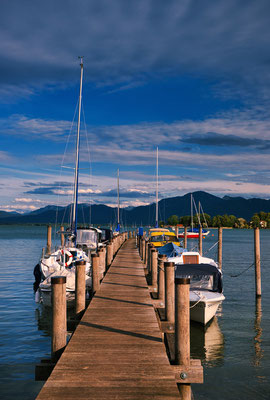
196	230
202	276
171	250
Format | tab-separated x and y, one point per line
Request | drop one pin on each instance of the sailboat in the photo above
193	232
62	261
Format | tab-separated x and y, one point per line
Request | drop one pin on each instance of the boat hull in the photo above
204	310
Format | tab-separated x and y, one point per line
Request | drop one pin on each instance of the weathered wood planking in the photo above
116	351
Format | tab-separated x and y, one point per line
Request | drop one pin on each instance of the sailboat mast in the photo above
156	225
75	196
191	208
118	204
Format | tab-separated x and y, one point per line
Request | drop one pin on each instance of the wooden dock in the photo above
116	351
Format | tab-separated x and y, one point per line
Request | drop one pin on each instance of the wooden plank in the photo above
116	351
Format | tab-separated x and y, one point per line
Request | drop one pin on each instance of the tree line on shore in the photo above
261	220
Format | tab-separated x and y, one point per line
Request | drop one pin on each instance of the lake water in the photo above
234	349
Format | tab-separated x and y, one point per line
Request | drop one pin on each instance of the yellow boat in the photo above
160	237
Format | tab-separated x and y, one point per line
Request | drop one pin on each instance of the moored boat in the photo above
79	242
206	291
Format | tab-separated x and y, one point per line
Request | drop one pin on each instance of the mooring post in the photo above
143	249
257	262
161	278
185	238
62	229
95	271
169	291
200	241
103	265
154	264
49	239
109	254
176	231
220	230
149	258
59	316
182	331
80	287
146	253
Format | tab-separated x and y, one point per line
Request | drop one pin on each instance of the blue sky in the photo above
191	77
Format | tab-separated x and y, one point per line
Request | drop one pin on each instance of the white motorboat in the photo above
205	282
79	242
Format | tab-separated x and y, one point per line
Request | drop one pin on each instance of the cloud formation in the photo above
126	42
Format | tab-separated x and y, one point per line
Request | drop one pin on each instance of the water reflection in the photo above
258	331
43	317
207	343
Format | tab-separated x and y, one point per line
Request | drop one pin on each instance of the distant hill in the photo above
180	205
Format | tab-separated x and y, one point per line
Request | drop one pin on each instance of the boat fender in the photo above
37	296
37	275
69	255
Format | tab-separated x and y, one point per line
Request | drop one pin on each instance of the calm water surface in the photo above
234	349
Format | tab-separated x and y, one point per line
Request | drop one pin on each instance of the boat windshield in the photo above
170	238
158	238
87	237
201	282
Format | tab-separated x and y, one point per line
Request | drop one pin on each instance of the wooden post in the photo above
200	241
185	238
95	269
143	249
257	262
59	316
146	253
101	255
49	239
80	287
109	254
169	291
62	229
161	278
150	246
220	247
154	263
182	331
176	231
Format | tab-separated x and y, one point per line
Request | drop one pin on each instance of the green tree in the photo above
217	221
173	220
255	221
185	220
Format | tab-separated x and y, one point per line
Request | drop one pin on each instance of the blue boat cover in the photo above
199	275
171	250
140	231
196	230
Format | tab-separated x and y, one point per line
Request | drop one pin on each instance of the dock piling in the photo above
161	279
80	287
257	261
62	229
59	317
200	241
169	291
49	239
154	265
185	238
95	271
220	247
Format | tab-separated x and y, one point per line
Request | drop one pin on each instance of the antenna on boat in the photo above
156	225
75	196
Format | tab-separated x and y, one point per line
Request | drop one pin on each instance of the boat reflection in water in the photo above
258	333
207	343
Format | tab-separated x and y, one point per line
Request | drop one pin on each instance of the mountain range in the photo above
145	215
